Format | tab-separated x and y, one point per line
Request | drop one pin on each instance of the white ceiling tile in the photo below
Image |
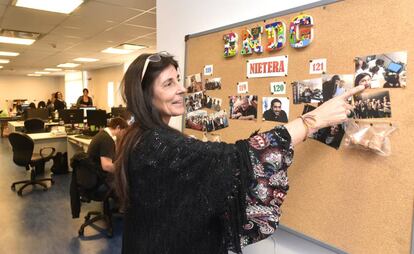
146	19
30	20
137	4
104	11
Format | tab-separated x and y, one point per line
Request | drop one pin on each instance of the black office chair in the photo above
23	156
88	184
34	125
41	104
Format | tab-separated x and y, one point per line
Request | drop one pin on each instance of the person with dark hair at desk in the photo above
102	147
59	103
84	100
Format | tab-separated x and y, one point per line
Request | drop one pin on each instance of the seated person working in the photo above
102	147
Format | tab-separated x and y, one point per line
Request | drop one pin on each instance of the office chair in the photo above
34	125
41	104
88	184
23	156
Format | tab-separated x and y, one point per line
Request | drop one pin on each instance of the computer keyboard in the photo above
83	136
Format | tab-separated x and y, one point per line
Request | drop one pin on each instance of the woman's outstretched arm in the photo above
334	111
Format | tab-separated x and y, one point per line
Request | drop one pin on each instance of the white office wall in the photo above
175	19
31	88
98	85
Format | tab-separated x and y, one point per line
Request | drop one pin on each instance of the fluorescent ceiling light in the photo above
85	59
132	46
52	69
117	51
42	72
11	40
1	67
68	65
4	61
61	6
33	75
6	53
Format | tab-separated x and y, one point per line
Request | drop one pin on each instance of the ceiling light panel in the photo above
117	51
11	40
85	59
52	69
68	65
4	61
7	53
42	72
60	6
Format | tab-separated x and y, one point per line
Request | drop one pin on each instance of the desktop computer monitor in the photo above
85	109
120	112
71	116
98	118
42	113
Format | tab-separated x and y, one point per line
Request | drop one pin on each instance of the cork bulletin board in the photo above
354	200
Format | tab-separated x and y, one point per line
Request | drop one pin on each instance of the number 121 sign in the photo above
317	66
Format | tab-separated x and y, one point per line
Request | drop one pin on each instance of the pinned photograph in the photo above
193	83
382	70
307	91
243	87
372	105
335	85
216	121
276	109
278	87
213	84
208	70
331	136
243	107
212	103
195	120
194	101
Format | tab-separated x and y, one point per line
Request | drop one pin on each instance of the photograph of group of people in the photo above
212	84
202	121
196	101
372	105
384	70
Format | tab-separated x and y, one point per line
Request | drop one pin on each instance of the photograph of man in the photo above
274	111
243	107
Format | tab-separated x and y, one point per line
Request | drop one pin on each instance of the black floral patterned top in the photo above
188	196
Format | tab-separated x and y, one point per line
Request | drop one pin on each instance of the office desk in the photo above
19	125
5	120
58	141
75	145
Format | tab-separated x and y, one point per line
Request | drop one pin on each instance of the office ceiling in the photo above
92	27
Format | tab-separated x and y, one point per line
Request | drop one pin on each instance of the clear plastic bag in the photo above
369	136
